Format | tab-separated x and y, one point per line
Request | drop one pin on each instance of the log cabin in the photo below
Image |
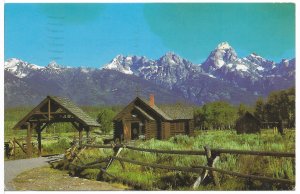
142	119
247	123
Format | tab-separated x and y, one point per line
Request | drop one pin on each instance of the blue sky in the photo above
93	34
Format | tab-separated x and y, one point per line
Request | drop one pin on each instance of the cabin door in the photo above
186	128
135	130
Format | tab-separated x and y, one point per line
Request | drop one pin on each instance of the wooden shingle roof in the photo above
75	110
157	109
174	112
62	103
178	111
143	113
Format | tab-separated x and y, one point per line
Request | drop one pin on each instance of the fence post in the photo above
117	150
28	140
14	147
80	138
39	138
211	160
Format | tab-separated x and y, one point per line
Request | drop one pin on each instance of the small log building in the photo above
247	123
142	119
54	109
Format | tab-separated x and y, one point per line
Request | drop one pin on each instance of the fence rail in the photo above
208	170
199	169
257	153
216	152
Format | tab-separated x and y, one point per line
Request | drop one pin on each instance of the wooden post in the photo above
117	151
28	143
39	138
49	109
88	132
80	137
211	160
14	147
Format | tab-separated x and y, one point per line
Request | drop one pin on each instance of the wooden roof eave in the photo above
119	115
70	112
161	116
147	116
24	120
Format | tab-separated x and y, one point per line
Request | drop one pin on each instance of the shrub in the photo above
105	118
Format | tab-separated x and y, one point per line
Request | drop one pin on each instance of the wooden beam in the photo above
58	120
75	125
39	138
98	146
257	153
117	151
44	126
49	109
24	120
14	147
97	162
185	152
80	137
211	160
88	133
20	145
28	143
46	113
198	169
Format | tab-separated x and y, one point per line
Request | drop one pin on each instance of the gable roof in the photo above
65	104
247	116
75	110
178	111
169	113
143	113
156	109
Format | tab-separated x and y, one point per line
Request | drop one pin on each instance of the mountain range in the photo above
222	76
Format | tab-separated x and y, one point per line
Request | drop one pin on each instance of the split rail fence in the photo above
205	171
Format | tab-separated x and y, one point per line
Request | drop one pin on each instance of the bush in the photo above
57	147
105	118
90	174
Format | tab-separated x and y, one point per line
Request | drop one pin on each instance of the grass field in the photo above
56	138
151	179
147	178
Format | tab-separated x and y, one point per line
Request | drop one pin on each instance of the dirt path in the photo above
48	179
35	174
14	167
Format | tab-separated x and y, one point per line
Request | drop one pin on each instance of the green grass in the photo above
151	179
65	132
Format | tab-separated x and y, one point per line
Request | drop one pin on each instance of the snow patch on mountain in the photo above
121	64
20	68
241	67
252	73
223	46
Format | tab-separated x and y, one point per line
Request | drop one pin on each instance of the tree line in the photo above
277	108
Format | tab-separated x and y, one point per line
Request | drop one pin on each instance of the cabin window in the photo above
135	130
180	127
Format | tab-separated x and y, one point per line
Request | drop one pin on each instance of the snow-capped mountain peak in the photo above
222	55
20	68
260	61
223	46
170	58
223	76
120	63
53	65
